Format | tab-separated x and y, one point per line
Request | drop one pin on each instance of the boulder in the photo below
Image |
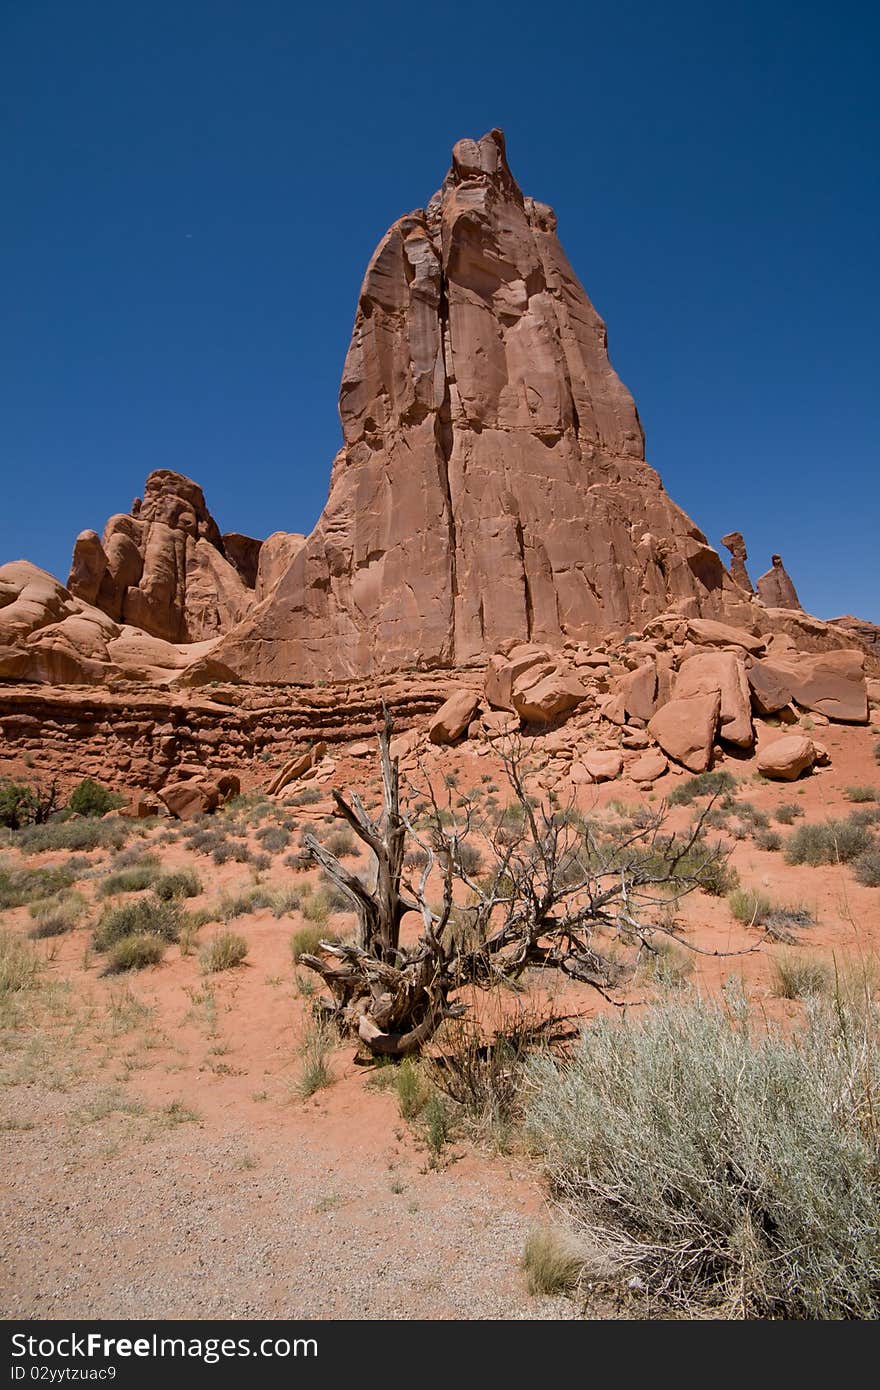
190	798
724	672
639	688
685	729
504	670
705	632
831	682
453	717
785	759
769	687
553	696
648	767
602	765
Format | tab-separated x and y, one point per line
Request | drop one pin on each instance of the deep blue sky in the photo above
192	191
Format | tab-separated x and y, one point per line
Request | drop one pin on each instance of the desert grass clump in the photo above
223	952
768	840
788	812
412	1087
798	976
656	1137
56	915
181	883
342	843
861	794
273	838
749	907
142	917
134	952
19	965
132	880
550	1264
832	842
315	1049
866	868
306	940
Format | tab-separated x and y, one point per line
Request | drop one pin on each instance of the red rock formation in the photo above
735	543
492	483
775	588
165	568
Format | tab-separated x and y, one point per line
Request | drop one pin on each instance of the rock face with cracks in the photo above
492	483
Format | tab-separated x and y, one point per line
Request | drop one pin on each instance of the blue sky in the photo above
192	191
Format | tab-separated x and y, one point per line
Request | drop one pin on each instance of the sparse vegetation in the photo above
656	1137
19	965
788	813
832	842
305	941
56	915
749	907
79	835
21	886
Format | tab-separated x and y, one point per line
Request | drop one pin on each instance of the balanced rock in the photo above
786	758
735	543
685	729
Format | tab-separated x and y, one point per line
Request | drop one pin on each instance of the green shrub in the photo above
132	880
223	952
788	813
315	1050
273	838
182	883
91	799
722	1168
134	952
413	1089
142	917
867	868
860	794
703	784
768	840
667	965
18	805
834	842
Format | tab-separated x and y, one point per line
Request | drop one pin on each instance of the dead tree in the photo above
556	882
